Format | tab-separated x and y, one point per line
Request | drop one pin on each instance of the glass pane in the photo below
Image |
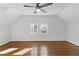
43	28
34	28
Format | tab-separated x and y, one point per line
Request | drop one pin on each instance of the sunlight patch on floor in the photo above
23	51
43	51
34	51
8	50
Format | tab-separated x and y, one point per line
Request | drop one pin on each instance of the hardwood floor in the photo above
47	48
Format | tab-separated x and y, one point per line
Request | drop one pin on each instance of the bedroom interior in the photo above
39	29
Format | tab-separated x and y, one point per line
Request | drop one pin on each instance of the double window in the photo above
39	28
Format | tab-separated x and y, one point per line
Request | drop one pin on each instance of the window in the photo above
34	28
39	28
43	28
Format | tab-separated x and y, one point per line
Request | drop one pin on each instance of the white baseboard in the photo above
38	40
73	43
4	43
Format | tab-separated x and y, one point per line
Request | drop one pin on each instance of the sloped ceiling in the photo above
7	15
9	12
71	13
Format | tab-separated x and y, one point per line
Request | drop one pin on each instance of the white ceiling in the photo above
19	8
9	12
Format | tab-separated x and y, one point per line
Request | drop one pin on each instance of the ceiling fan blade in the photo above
43	10
46	4
37	5
28	6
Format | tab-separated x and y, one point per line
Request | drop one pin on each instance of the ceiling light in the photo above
38	7
37	10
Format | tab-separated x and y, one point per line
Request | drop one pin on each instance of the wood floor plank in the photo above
54	48
23	51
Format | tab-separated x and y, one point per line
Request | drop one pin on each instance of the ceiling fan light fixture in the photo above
38	7
38	10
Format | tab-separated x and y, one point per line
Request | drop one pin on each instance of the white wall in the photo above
73	33
4	33
20	29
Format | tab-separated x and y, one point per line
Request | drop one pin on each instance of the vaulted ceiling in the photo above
71	13
9	12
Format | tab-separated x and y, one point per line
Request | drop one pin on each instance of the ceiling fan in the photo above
38	7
